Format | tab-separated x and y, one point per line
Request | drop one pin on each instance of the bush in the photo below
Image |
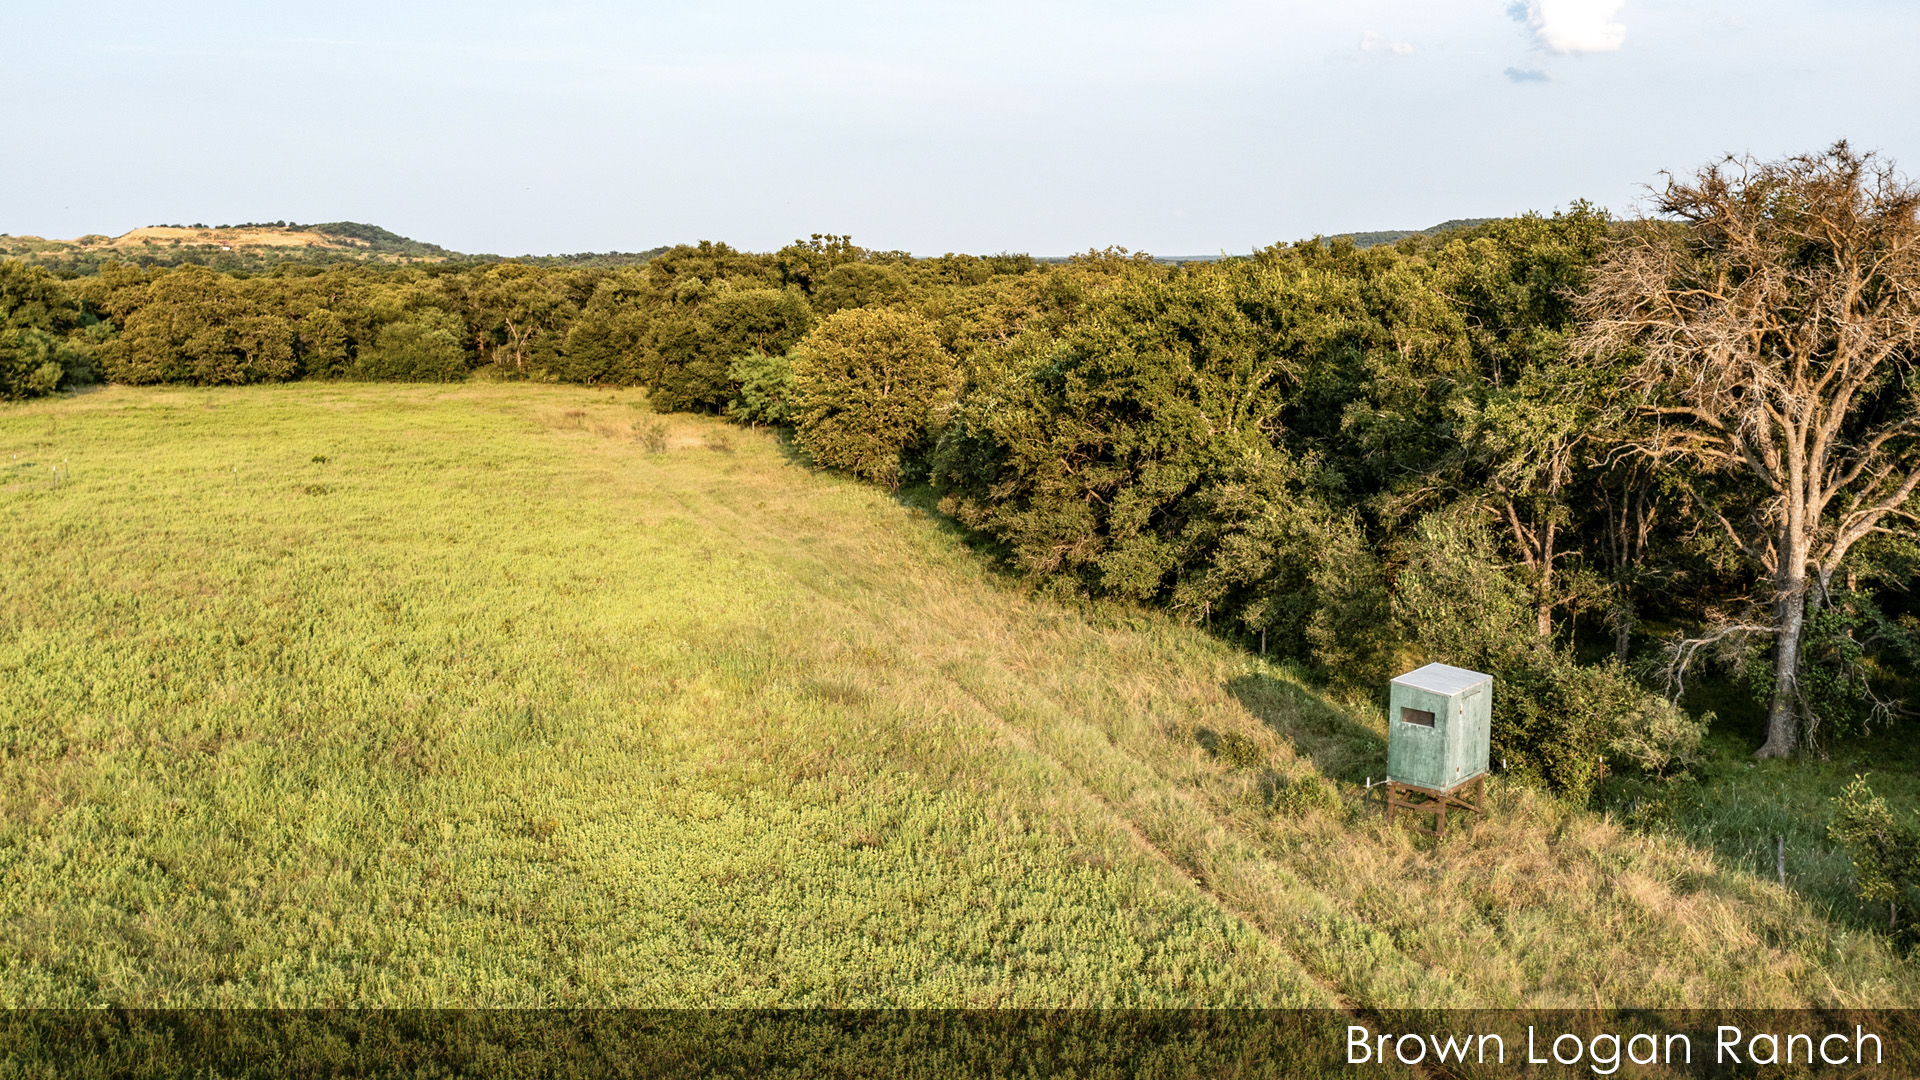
1298	796
1885	850
867	385
652	436
426	346
1658	737
765	395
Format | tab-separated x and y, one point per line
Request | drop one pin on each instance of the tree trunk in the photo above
1783	717
1544	615
1622	635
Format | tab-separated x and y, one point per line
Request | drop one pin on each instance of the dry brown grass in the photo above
236	238
232	239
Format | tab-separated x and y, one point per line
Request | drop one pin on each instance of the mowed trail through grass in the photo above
330	694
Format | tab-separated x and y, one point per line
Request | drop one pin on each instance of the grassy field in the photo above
514	695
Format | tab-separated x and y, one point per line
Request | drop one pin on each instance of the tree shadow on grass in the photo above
1340	747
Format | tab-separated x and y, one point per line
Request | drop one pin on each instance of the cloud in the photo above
1527	75
1373	41
1571	26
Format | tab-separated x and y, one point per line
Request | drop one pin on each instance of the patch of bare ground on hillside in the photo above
166	237
254	237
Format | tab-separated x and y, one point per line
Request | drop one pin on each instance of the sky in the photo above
1044	126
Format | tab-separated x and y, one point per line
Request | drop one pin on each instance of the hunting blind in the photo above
1439	729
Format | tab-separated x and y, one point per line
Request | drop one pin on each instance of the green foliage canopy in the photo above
868	384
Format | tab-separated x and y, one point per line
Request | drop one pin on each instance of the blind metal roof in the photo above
1442	679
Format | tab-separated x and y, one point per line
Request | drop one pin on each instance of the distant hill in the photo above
1391	236
253	247
1359	239
380	240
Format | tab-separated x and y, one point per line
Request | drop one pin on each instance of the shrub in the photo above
1885	850
867	385
652	436
1658	737
1298	796
765	394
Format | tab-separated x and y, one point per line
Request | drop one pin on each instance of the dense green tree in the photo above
696	341
863	284
518	315
869	384
1256	528
426	346
194	325
606	343
1093	451
1383	352
1529	418
42	346
804	264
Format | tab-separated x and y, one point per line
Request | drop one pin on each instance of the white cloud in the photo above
1374	41
1572	26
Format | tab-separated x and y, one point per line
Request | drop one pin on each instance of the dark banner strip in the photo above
943	1043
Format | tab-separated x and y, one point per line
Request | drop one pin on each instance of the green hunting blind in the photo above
1439	730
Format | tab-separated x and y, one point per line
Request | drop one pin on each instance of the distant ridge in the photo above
381	240
1359	240
254	247
1391	236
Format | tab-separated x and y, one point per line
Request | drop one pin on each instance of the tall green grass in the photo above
517	695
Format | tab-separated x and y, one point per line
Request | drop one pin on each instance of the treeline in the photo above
1362	458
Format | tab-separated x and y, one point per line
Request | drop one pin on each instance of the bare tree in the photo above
1772	323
